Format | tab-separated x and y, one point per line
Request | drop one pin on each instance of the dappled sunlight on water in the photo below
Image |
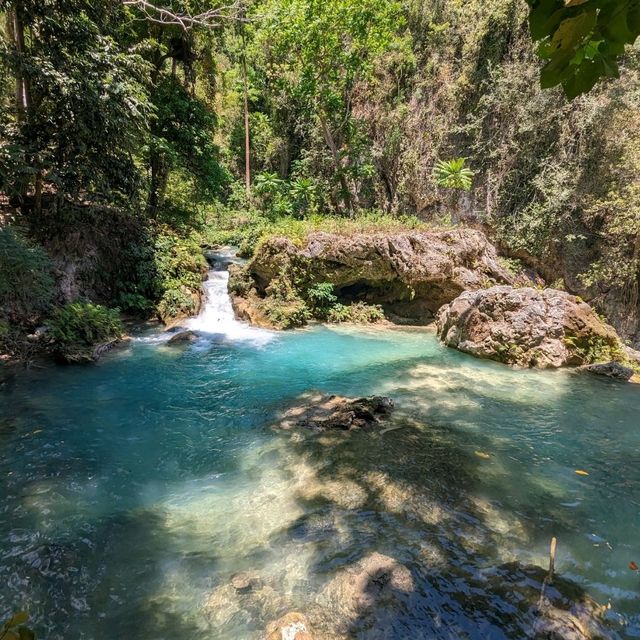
135	492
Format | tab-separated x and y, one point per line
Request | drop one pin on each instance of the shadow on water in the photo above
409	493
157	502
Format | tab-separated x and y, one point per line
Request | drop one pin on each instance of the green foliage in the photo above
286	313
452	174
582	40
321	298
26	280
89	101
593	348
180	268
357	313
15	628
84	324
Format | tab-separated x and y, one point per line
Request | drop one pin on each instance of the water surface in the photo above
132	491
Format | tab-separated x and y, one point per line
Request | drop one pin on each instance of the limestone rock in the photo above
292	626
328	412
411	274
527	327
613	370
373	582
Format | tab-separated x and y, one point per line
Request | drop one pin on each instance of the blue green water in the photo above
133	490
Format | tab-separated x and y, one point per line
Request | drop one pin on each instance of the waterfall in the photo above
216	318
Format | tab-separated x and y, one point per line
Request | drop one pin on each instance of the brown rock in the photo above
527	327
411	274
373	582
246	581
183	337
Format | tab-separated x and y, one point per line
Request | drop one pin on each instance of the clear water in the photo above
132	491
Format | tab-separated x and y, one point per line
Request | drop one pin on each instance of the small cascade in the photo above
217	318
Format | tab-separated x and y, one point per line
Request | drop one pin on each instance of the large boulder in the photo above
411	274
527	327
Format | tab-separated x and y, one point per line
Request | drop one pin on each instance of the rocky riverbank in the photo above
402	276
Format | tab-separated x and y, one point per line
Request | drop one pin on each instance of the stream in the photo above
133	491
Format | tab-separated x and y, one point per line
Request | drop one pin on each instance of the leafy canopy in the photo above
582	40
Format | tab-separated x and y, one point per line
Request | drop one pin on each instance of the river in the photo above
134	490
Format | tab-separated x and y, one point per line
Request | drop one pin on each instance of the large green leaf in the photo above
581	40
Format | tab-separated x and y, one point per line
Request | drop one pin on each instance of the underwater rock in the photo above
374	582
292	626
183	337
328	412
559	609
527	327
411	274
88	354
612	369
246	581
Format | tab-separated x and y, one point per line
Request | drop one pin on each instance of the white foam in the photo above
217	319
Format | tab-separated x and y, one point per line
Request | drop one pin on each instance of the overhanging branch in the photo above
213	18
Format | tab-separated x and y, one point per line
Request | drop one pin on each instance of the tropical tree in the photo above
316	53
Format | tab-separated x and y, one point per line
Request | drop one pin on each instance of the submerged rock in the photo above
527	327
613	370
411	274
328	412
292	626
376	580
246	581
183	337
82	354
559	609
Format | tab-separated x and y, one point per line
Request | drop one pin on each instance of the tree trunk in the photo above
347	196
159	179
23	94
247	139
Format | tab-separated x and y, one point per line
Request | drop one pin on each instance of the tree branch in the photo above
213	18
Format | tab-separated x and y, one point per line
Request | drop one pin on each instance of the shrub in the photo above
321	298
26	280
593	348
84	324
286	313
180	269
358	313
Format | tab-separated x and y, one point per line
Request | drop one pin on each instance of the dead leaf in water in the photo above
582	472
633	566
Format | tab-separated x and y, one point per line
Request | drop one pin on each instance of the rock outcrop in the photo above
327	412
527	327
410	274
613	370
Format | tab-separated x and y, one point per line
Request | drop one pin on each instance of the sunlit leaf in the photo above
18	618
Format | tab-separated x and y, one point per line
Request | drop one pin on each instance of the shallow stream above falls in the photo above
134	490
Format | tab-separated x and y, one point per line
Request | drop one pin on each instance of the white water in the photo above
217	319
